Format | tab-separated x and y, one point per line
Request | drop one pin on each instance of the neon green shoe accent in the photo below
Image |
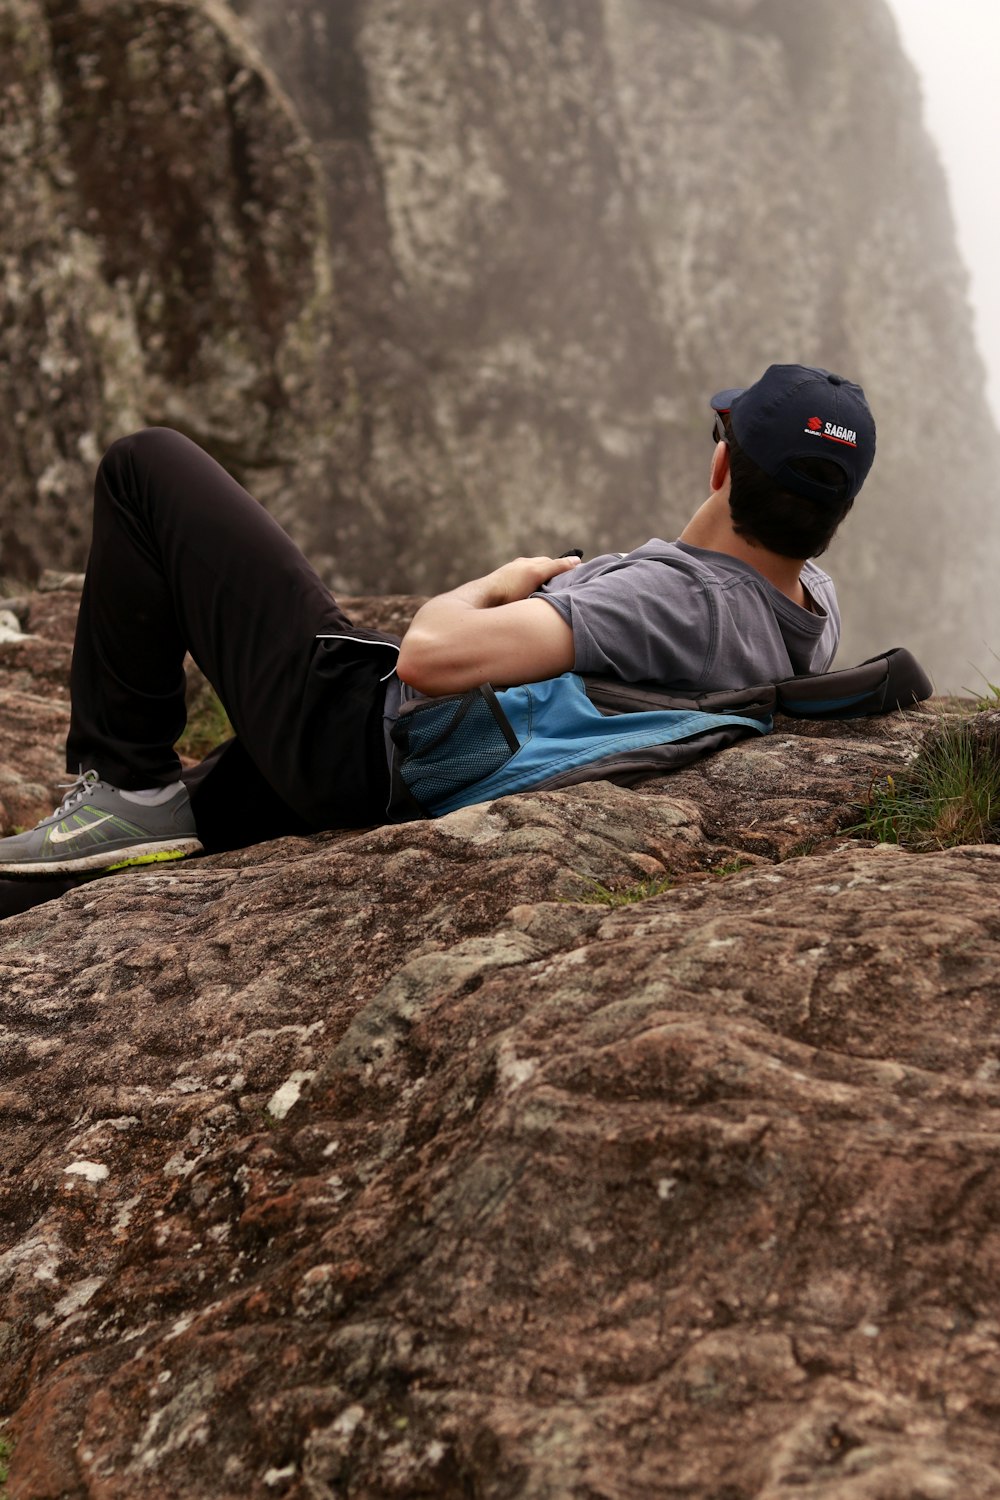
150	859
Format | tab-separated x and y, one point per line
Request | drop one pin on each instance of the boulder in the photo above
592	1142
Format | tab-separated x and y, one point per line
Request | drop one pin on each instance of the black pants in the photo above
183	559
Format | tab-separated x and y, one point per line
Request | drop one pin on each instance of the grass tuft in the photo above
207	722
948	795
988	696
605	895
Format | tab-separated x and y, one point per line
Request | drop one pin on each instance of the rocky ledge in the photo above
592	1143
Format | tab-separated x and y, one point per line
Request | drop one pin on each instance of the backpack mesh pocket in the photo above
446	744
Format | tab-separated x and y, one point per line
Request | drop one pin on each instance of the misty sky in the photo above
956	49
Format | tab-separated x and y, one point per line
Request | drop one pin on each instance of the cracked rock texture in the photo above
396	1163
447	282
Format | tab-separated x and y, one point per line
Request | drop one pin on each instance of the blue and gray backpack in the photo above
481	744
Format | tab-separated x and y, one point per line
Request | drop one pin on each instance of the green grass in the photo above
207	723
6	1449
606	895
988	697
948	795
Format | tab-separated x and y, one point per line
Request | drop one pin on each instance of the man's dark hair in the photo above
778	519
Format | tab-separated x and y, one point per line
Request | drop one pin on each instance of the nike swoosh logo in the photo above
63	835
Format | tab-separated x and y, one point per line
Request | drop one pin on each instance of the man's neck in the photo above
711	527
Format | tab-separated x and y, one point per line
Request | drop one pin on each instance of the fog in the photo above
955	53
536	250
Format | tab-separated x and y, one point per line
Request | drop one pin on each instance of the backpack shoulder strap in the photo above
895	679
612	696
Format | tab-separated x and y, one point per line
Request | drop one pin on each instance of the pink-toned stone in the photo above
696	1195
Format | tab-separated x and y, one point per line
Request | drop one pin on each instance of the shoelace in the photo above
75	791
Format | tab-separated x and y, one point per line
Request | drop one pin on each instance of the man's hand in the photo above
519	579
489	630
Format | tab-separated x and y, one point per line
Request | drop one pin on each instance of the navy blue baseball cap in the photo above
796	411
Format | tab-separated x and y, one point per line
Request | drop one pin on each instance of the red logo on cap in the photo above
814	424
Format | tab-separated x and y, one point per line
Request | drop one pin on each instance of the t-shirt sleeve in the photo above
644	621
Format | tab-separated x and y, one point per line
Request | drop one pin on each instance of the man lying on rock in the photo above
183	559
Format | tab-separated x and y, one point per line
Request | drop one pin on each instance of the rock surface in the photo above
450	282
401	1163
163	260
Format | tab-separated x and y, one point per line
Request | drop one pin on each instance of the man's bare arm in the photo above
489	630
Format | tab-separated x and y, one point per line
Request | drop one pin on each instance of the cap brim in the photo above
723	400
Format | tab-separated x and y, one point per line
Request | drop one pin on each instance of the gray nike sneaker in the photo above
95	828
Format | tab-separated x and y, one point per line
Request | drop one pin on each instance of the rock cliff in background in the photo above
400	1164
163	260
470	297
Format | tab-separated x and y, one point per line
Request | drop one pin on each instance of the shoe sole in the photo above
108	859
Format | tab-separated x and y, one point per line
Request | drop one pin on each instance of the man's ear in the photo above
720	466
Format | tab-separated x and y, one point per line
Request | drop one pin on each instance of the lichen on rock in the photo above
163	258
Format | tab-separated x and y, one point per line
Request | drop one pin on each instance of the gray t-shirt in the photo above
691	619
